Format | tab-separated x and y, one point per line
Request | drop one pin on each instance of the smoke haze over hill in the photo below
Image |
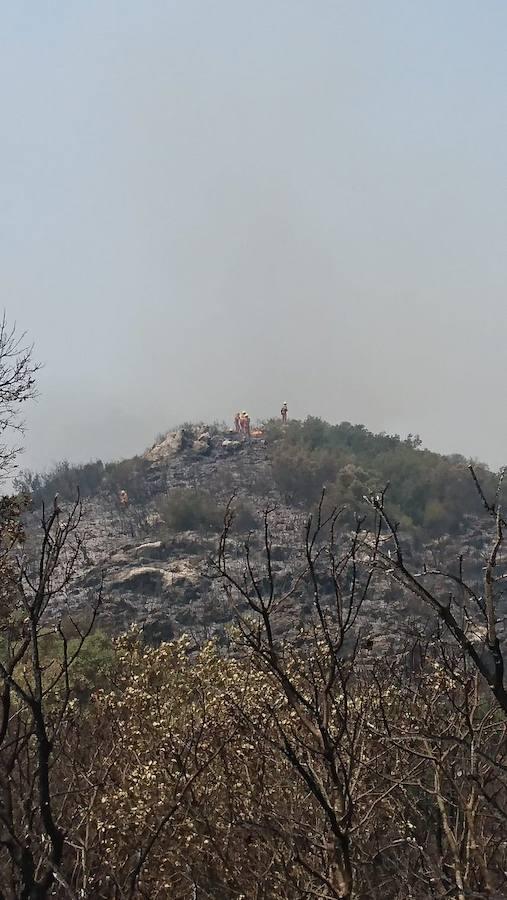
213	206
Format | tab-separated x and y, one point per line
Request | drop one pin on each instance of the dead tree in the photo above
458	607
36	705
452	809
319	716
17	385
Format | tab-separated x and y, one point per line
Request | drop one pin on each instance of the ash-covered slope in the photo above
151	554
157	576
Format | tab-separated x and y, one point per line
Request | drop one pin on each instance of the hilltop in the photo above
153	550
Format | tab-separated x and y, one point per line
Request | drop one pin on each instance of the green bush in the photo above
185	509
426	490
94	662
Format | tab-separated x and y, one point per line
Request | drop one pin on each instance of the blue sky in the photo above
208	206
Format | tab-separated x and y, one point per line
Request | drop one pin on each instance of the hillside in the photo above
153	553
348	712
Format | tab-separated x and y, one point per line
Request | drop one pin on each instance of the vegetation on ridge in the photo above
429	492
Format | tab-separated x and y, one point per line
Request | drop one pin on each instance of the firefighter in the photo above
244	423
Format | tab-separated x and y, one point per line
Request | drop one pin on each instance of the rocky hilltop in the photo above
154	566
161	579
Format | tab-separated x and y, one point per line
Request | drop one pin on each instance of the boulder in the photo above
182	570
172	444
200	448
146	579
151	550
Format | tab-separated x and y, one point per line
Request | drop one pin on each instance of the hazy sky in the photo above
213	205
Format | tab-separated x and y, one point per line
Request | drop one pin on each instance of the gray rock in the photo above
151	550
200	448
171	445
146	579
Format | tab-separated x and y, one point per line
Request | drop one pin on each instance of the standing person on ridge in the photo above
237	419
284	412
244	423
